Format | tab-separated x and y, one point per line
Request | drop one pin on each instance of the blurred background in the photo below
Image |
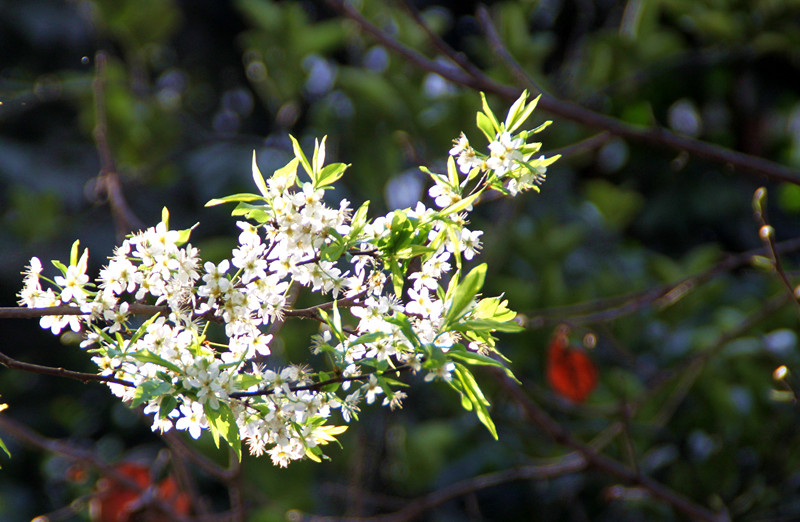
193	87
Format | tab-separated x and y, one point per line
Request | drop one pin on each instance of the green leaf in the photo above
4	448
514	112
332	252
414	250
149	357
360	217
184	235
460	353
149	390
541	127
470	385
165	217
259	179
452	172
476	397
168	404
61	266
73	254
489	114
298	152
526	112
335	322
222	422
258	213
485	126
488	325
458	206
369	338
139	332
402	321
398	279
330	174
465	293
319	155
234	197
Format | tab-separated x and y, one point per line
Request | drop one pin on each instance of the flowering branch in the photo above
393	274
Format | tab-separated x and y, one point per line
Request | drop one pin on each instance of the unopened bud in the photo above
780	372
766	232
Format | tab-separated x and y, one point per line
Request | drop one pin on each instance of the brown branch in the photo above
456	57
319	385
35	440
655	135
501	51
571	463
689	374
108	182
14	312
14	364
600	461
767	235
312	312
608	309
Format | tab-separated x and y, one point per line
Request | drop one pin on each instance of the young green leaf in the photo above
233	198
298	152
465	293
259	179
222	422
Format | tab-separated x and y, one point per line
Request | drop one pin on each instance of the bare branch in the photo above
604	310
35	440
108	182
597	460
14	364
655	135
571	463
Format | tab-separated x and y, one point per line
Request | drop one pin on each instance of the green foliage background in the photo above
195	86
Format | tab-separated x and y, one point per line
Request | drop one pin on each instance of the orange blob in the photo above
569	370
115	502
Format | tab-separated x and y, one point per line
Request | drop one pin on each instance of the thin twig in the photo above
689	374
767	235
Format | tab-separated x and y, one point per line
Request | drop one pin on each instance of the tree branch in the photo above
14	364
597	460
33	439
571	111
108	181
571	463
664	295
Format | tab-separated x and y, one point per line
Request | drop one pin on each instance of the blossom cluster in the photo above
398	298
